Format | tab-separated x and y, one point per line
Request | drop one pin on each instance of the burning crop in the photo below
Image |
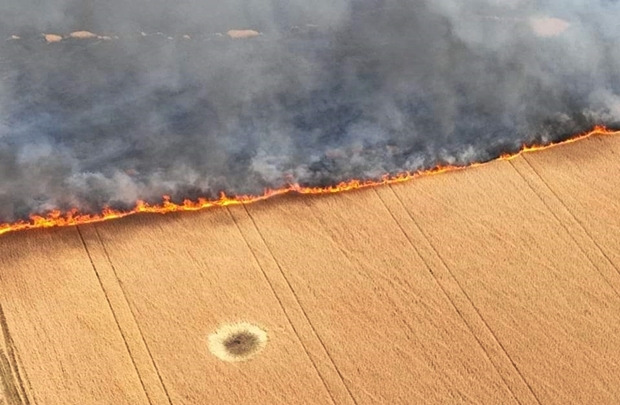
104	108
74	217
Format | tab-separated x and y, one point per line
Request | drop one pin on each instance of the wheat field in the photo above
494	285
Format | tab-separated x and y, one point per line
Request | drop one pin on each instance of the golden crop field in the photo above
498	284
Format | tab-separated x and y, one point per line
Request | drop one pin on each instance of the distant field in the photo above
498	284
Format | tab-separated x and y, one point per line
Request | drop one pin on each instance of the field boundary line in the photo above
354	266
118	326
115	316
467	297
301	308
133	315
17	386
277	297
565	226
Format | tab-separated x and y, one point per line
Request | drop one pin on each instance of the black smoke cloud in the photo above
331	90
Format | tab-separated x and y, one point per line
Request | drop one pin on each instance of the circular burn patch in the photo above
237	341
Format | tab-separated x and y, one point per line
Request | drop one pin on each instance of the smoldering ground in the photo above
331	90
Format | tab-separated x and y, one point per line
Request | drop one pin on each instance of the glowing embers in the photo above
237	342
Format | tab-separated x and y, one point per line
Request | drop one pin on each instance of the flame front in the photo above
57	218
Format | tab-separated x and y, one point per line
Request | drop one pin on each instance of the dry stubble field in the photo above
498	284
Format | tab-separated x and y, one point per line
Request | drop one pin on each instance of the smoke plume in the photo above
162	101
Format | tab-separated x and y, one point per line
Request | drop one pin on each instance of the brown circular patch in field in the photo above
241	343
237	341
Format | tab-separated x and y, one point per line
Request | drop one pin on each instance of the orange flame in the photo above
57	218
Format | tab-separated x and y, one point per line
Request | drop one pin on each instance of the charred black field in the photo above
348	90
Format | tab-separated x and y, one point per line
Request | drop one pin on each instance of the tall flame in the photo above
57	218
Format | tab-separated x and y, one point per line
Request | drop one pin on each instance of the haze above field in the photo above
330	90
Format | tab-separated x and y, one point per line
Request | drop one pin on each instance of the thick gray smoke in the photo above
331	90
